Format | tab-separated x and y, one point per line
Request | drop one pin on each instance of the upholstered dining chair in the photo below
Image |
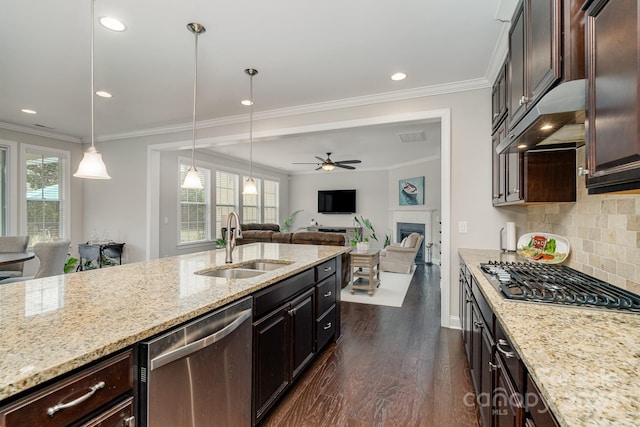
52	257
13	244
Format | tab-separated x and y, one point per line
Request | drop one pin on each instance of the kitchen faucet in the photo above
232	236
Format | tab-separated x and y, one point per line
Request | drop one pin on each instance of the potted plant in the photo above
288	222
359	241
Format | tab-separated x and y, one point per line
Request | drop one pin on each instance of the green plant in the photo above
221	242
288	222
70	264
359	228
387	240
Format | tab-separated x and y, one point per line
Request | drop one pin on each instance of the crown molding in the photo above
426	91
39	132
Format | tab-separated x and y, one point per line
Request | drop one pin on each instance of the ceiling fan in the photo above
328	164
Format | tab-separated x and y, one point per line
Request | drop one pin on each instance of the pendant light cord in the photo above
195	90
92	84
251	125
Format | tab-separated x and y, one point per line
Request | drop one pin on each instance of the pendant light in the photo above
192	180
250	186
92	166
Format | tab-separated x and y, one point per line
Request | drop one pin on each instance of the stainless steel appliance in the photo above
199	375
557	284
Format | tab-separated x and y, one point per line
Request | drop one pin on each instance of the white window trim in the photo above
66	205
12	186
208	239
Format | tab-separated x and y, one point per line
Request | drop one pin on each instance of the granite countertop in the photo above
53	325
586	362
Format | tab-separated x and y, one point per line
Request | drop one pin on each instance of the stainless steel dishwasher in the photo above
199	375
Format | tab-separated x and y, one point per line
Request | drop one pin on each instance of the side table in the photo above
365	270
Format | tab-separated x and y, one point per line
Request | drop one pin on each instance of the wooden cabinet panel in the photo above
326	294
508	403
537	407
543	46
516	76
271	359
303	328
325	328
513	183
613	73
499	167
120	415
499	98
71	399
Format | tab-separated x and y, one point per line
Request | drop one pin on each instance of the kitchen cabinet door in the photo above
543	46
516	76
513	185
499	167
613	73
508	402
499	98
303	328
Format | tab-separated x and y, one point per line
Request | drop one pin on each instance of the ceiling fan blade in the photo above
318	168
320	158
310	163
348	161
344	166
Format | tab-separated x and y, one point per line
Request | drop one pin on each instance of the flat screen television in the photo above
336	201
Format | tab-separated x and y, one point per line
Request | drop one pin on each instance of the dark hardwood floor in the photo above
391	367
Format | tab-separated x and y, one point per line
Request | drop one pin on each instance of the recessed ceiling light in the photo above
112	24
398	76
28	111
104	94
246	102
522	146
547	127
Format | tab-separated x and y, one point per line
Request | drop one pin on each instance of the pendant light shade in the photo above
192	180
92	166
250	187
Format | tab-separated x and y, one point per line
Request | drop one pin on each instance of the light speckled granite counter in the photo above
51	326
585	361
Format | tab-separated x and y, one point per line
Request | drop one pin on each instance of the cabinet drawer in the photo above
89	389
326	294
325	269
483	305
325	328
512	362
117	416
275	295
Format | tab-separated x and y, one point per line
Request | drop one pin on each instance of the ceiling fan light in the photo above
92	166
250	187
328	167
192	179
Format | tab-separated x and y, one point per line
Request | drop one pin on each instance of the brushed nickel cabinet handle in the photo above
478	325
328	294
327	326
75	402
507	354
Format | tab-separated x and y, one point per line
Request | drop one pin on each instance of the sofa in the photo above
270	233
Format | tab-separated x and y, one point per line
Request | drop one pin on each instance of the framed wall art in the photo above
411	191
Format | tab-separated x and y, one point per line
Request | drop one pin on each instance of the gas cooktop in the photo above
557	284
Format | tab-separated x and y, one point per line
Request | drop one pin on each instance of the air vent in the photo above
38	125
412	136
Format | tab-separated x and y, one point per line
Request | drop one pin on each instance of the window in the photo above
270	199
251	203
226	198
195	207
46	184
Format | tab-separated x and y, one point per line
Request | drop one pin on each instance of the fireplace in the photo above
406	228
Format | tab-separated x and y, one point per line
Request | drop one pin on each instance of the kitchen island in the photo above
54	325
585	362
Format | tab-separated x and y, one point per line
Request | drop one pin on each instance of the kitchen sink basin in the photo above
231	273
264	265
244	270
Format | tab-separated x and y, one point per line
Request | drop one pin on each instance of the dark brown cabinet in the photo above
293	320
101	395
546	44
499	376
499	98
498	167
539	176
613	76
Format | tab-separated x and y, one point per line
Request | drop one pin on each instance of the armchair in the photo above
400	257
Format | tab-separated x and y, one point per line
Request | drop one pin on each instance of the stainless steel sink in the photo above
231	273
264	265
244	270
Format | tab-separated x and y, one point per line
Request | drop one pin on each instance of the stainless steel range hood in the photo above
556	119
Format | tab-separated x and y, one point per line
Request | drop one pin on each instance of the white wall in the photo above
371	196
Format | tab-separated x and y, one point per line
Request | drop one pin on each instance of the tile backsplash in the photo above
603	231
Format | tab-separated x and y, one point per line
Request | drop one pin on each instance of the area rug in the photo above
393	287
